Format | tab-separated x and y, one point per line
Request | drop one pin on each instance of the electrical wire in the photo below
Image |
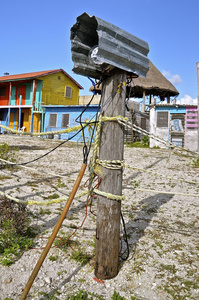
85	150
126	241
122	218
79	120
95	123
31	161
28	162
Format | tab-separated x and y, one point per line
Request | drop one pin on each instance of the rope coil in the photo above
115	164
111	164
109	195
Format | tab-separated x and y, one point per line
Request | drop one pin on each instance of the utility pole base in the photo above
107	239
111	148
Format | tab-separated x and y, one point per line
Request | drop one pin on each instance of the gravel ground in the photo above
162	229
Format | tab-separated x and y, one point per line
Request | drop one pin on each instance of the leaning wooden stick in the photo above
53	235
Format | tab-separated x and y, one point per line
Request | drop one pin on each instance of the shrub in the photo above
15	235
195	162
7	153
143	144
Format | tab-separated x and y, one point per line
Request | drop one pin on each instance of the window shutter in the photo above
143	123
2	91
65	120
53	120
162	119
68	92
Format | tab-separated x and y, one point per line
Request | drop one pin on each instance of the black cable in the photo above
86	150
87	105
98	83
126	240
28	162
95	123
129	93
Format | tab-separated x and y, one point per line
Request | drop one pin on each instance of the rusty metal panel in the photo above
115	47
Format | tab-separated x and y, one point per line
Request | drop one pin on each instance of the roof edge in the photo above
33	75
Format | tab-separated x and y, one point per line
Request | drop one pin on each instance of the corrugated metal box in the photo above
96	45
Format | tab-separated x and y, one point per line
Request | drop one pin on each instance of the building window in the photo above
68	92
53	120
143	123
1	115
162	119
2	91
65	120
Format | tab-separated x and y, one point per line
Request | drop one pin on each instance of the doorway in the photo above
21	92
177	129
22	120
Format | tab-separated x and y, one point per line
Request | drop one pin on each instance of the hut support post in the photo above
132	122
111	148
143	103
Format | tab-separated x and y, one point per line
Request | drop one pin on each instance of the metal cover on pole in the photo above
97	46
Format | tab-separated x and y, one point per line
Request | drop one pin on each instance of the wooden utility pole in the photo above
197	65
111	148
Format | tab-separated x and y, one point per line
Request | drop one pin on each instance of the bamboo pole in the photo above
53	235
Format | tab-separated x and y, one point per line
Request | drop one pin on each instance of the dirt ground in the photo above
162	226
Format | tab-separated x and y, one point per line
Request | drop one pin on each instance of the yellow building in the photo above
58	88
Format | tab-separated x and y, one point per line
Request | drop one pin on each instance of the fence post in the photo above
111	148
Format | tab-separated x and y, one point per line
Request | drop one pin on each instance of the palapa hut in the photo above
154	84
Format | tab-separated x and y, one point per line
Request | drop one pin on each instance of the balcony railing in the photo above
37	107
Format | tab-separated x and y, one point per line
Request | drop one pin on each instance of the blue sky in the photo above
35	35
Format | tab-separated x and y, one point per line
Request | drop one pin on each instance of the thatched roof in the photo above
154	84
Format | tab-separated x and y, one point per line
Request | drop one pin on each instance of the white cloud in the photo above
175	79
166	73
187	100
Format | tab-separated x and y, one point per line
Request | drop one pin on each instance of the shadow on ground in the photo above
141	217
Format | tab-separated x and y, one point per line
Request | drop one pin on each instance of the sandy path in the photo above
163	229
